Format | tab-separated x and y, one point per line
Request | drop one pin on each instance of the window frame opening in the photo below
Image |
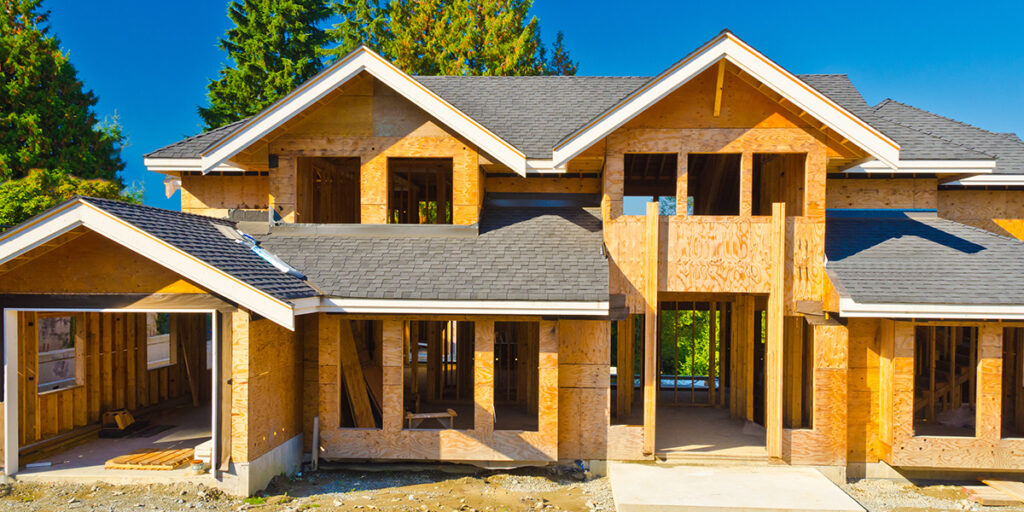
713	182
652	177
517	376
945	388
438	375
423	184
328	190
778	178
64	358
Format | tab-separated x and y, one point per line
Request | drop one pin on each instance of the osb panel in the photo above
984	451
240	392
90	263
584	376
714	140
827	443
583	392
625	442
998	211
482	443
715	254
200	194
584	342
882	193
274	384
544	185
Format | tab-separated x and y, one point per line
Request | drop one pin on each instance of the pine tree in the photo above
46	116
274	47
362	23
560	63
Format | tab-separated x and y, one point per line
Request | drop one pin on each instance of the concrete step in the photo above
692	458
659	487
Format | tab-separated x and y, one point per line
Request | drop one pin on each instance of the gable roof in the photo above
537	254
731	48
1006	148
191	245
905	264
360	60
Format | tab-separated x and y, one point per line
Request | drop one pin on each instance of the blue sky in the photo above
150	61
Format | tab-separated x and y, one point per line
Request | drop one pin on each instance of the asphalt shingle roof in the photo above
199	236
1006	148
899	258
535	254
192	147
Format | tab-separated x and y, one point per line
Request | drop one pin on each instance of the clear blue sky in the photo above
150	61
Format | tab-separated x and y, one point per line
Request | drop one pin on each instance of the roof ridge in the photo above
929	134
640	77
940	116
822	74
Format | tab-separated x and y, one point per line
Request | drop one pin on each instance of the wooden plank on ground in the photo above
1010	487
989	496
152	459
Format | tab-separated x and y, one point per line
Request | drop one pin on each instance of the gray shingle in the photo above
533	113
1006	148
193	146
536	254
914	144
898	258
198	236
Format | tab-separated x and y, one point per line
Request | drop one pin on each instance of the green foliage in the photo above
46	117
43	189
684	342
274	47
255	500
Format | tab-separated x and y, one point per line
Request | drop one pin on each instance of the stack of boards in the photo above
996	493
153	459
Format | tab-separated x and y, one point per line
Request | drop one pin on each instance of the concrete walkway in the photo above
650	487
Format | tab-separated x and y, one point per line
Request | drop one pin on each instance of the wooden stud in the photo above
774	354
483	376
712	349
352	372
650	325
718	87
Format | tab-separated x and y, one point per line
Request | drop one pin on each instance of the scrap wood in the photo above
152	458
1012	488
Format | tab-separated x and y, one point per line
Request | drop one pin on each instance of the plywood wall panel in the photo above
882	193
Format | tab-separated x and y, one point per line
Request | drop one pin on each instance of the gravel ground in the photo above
399	490
890	496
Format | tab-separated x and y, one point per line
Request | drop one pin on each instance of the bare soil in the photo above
890	496
481	491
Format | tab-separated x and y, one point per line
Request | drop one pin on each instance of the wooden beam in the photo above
718	87
650	325
355	383
483	376
774	349
712	333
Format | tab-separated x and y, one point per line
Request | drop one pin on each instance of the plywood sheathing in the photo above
112	370
365	119
987	449
483	443
921	193
579	185
214	194
89	263
584	393
825	443
998	211
775	333
266	382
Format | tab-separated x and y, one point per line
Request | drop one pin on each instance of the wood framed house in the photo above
725	261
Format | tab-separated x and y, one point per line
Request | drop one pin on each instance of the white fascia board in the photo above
450	307
80	213
927	166
176	165
990	180
849	308
729	47
337	74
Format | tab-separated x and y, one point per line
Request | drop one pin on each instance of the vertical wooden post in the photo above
216	319
734	354
392	360
483	377
773	355
433	359
682	183
929	413
746	184
989	393
650	325
750	337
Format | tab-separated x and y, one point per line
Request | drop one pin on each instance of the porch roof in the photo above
520	254
895	257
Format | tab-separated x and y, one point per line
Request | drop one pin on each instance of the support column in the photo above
483	377
773	354
392	358
650	325
746	184
10	392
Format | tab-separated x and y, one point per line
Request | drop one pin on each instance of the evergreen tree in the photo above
362	23
560	63
274	46
43	189
46	116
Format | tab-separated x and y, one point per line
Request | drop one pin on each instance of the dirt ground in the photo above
491	491
890	496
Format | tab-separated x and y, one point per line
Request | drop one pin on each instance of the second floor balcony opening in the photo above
419	191
328	190
649	177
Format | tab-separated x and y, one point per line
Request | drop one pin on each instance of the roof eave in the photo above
852	309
